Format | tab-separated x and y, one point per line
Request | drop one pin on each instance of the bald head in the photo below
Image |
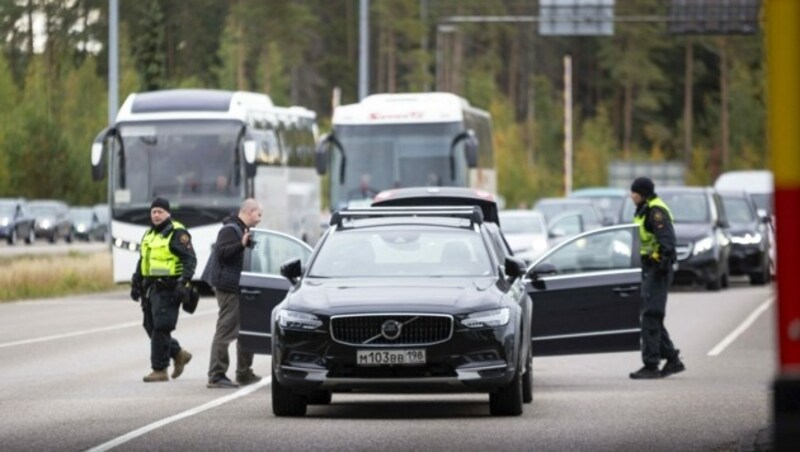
250	212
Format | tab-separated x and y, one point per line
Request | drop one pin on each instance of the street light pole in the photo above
113	59
363	50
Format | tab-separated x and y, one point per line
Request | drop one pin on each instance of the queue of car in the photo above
425	291
51	220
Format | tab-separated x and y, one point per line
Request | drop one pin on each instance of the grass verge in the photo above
42	276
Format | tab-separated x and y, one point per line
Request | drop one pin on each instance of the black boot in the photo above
647	372
673	366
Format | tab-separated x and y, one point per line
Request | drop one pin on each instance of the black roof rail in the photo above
472	213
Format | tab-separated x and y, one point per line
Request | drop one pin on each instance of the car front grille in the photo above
371	330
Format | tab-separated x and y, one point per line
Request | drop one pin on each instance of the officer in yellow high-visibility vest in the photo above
658	254
166	265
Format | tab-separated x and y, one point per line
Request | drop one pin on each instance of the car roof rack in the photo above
472	213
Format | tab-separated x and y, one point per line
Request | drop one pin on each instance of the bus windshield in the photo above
379	157
187	162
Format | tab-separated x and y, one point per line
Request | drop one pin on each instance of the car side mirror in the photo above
515	268
292	270
542	269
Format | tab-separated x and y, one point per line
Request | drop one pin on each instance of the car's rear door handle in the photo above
623	290
250	292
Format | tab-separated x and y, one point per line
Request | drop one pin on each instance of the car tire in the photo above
527	379
320	398
725	279
52	238
507	401
762	277
69	237
12	238
285	402
31	238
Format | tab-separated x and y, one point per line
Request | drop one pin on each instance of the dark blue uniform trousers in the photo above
656	344
160	308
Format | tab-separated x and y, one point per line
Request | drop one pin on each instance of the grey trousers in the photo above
227	331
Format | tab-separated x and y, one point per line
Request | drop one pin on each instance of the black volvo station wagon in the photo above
417	299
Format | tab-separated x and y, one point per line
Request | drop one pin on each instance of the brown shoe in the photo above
181	359
156	375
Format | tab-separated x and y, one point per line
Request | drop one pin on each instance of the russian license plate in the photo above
407	357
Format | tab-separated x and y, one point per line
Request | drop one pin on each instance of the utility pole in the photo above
363	49
113	60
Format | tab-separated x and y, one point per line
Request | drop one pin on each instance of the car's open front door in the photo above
586	294
261	287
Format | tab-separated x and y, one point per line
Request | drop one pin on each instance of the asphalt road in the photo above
71	380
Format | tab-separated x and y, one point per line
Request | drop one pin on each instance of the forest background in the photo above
643	94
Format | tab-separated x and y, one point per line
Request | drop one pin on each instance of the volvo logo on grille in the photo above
391	329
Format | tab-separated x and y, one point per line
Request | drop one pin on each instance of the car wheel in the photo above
31	237
762	277
320	398
507	401
69	237
52	238
527	379
12	238
285	402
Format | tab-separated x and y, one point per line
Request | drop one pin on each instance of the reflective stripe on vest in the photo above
649	243
157	259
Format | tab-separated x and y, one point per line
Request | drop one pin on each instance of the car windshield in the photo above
738	210
402	252
81	215
6	209
550	210
687	207
43	210
518	224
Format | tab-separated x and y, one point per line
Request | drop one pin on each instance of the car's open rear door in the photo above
261	287
587	294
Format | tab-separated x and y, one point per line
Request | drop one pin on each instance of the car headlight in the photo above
45	224
484	319
3	221
747	239
702	245
294	320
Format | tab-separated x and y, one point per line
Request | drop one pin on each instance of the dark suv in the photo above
52	220
703	238
403	298
16	221
750	236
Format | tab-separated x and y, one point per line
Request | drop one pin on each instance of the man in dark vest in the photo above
658	254
166	265
232	239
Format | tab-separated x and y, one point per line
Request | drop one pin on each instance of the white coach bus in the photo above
405	140
205	151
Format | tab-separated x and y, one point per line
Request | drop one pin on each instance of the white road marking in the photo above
118	326
190	412
719	348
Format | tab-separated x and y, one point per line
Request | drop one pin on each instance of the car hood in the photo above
743	228
523	242
451	295
690	232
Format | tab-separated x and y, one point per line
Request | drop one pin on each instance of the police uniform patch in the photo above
186	241
658	217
